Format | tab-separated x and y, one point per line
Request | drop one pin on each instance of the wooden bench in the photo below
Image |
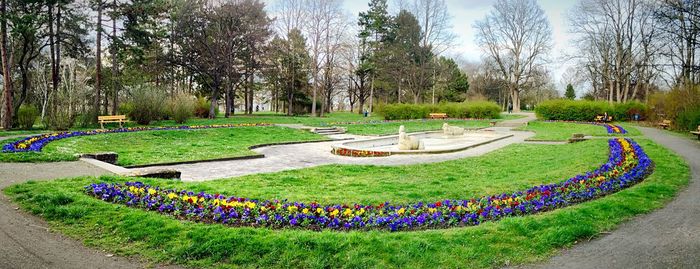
601	118
438	115
107	119
696	132
665	124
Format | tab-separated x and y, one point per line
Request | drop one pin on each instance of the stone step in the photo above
329	131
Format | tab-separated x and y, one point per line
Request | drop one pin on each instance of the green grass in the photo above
260	117
411	126
564	130
152	147
517	240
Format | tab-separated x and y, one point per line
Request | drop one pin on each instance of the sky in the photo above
465	12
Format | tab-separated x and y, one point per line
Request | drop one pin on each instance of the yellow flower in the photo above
305	211
172	195
347	212
432	210
250	205
319	210
334	213
151	191
185	197
292	208
401	211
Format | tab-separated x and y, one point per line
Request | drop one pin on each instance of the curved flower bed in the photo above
37	142
615	129
627	165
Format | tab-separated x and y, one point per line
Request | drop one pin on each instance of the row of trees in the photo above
629	48
297	55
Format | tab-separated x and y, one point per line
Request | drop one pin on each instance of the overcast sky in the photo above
465	12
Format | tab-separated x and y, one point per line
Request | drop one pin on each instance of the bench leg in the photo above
102	125
120	124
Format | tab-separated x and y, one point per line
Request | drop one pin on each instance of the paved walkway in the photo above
296	156
666	238
25	240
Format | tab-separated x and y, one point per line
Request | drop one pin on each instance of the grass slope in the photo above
564	130
151	147
411	126
158	238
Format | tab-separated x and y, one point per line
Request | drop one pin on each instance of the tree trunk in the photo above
214	97
115	67
515	99
52	50
98	61
227	112
371	95
250	93
58	46
6	74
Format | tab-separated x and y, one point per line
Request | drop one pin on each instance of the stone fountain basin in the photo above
435	142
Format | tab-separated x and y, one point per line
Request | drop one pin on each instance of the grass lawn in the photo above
564	130
411	126
152	147
516	240
261	117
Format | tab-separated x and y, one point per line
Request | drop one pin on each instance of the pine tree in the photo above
570	93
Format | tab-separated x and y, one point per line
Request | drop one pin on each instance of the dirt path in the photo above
26	241
666	238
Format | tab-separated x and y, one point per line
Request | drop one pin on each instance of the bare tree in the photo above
516	36
617	46
289	15
435	22
679	23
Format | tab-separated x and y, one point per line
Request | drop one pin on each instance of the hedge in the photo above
582	110
479	110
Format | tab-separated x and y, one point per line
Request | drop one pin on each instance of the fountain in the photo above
449	139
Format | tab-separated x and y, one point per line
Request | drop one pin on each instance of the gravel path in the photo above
27	242
666	238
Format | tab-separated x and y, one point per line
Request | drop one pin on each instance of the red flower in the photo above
438	204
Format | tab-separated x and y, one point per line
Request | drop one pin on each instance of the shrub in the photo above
125	108
59	119
584	110
201	109
59	115
147	105
181	107
689	119
479	109
626	111
26	116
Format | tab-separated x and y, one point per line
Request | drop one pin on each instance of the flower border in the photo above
37	142
626	166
